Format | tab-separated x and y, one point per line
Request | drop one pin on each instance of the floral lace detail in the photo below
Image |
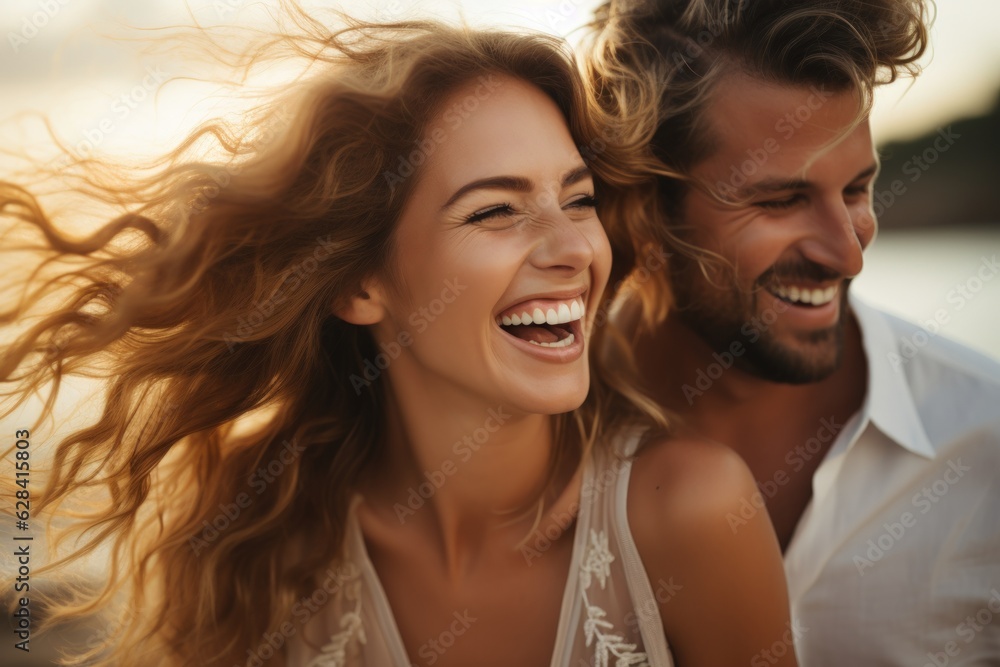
608	644
334	652
597	561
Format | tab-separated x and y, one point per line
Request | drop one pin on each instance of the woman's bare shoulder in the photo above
726	576
687	484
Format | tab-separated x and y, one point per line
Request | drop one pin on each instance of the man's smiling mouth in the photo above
545	322
804	295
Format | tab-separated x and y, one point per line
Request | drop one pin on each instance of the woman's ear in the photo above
367	306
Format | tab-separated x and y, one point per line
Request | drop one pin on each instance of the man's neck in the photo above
720	401
781	431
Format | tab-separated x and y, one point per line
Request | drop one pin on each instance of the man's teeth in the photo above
559	343
563	313
816	297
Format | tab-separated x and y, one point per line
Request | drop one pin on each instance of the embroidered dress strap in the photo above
644	602
353	625
388	648
564	654
606	631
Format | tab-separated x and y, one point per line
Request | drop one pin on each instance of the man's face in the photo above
797	180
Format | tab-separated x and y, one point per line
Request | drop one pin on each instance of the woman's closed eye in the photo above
494	211
586	201
506	210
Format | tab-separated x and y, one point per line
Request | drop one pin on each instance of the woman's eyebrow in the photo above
576	175
515	183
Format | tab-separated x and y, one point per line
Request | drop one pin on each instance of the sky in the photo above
56	58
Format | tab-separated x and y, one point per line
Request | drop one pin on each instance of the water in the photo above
914	273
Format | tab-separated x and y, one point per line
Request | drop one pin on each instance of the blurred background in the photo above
939	134
938	197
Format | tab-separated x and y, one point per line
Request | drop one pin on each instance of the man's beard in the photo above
723	313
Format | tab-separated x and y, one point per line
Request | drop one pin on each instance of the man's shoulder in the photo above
952	385
927	348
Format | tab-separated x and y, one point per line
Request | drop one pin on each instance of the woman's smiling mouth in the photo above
551	323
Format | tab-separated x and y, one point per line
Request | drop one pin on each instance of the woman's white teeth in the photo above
562	314
559	343
816	297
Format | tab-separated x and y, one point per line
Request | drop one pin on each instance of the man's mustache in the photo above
783	274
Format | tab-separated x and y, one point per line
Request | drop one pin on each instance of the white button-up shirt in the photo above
896	559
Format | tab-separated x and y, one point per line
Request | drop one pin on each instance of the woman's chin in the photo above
535	401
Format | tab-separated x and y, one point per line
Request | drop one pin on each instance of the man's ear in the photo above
367	306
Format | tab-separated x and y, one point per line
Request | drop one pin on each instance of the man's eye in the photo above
495	211
856	190
781	203
778	204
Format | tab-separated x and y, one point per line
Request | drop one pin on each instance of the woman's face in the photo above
501	256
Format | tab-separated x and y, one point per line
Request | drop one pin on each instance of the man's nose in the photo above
837	236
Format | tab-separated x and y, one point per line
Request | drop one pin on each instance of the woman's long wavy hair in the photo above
205	306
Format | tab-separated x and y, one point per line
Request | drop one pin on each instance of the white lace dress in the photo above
609	617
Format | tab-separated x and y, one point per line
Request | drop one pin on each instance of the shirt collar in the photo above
889	403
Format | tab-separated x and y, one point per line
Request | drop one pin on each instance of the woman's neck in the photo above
464	472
